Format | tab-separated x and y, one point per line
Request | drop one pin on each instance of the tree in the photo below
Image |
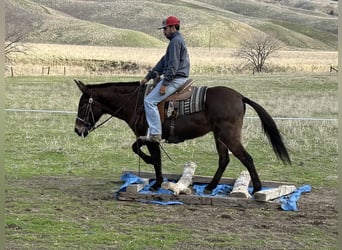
257	49
19	23
13	44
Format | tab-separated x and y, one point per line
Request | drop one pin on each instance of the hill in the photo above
205	23
47	25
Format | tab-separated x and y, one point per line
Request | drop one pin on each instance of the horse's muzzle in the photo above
83	131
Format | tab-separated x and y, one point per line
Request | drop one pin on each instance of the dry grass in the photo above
203	60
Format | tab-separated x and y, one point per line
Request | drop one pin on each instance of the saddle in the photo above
183	92
186	100
166	107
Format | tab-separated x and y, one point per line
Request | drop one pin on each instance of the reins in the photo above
99	125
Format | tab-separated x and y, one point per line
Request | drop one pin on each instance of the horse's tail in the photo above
271	131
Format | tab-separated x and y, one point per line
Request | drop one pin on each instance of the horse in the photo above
223	115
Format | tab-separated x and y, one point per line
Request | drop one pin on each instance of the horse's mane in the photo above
114	84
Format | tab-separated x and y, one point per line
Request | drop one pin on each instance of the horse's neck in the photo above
121	101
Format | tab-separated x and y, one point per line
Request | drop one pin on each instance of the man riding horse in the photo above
175	68
223	113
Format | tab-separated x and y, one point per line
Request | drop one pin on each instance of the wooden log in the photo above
273	193
240	188
182	186
135	188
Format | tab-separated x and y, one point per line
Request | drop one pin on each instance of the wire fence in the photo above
248	117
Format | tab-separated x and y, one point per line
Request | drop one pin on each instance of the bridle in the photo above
89	113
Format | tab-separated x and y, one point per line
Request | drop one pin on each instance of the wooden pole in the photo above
182	186
273	193
135	188
240	188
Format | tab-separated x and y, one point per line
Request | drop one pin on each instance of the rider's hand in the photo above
143	81
162	89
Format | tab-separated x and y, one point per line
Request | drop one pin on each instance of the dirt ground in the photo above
275	228
317	209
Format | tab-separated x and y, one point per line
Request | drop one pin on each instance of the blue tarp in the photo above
129	179
288	203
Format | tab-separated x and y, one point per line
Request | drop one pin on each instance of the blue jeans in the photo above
153	98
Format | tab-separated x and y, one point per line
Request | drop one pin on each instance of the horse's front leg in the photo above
136	147
154	149
153	159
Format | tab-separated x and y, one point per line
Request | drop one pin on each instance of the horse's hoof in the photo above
154	187
256	189
207	191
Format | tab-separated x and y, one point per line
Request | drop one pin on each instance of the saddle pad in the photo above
196	103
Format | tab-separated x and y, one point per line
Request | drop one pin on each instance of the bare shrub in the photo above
257	49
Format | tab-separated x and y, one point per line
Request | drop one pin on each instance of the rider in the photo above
175	68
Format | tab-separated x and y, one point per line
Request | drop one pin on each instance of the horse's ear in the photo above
81	86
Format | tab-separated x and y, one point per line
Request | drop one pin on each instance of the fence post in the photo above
332	68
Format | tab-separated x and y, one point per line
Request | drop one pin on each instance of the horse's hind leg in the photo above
223	163
247	160
231	140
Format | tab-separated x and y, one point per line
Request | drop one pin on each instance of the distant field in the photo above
98	60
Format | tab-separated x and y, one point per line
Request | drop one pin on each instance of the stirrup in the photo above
151	138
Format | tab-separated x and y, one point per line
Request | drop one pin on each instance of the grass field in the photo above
59	186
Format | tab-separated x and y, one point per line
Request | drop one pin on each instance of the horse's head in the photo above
89	111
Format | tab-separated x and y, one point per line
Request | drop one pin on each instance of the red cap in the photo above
171	20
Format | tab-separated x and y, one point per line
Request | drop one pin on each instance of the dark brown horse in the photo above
223	115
